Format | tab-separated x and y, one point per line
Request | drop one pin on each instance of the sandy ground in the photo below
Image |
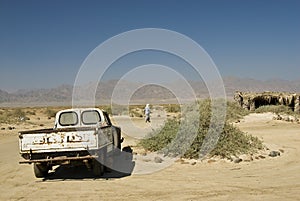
264	179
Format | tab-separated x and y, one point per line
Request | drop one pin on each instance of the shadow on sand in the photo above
122	167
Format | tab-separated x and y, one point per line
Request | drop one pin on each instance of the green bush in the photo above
277	109
199	133
158	139
235	112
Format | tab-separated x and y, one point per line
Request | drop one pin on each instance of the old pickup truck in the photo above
80	136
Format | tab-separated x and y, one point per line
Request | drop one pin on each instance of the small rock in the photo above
2	128
158	159
292	118
184	162
172	155
274	153
237	160
146	160
193	163
11	128
246	158
41	124
211	161
178	160
261	156
277	118
38	118
281	150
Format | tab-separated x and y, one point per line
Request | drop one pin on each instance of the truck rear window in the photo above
90	117
68	119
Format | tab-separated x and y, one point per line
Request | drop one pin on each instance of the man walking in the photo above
147	113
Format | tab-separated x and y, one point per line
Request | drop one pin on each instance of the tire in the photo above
40	170
98	168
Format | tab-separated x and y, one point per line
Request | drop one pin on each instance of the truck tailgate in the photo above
59	140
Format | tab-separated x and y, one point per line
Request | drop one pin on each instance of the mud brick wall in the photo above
251	101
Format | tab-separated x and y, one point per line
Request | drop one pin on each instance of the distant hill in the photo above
4	96
233	84
62	95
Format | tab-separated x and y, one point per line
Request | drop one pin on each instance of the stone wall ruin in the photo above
251	101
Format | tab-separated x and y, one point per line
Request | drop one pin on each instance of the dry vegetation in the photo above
230	142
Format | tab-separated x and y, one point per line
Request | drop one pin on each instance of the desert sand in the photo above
275	178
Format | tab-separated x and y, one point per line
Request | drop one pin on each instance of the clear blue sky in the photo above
43	43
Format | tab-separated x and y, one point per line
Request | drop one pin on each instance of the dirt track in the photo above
265	179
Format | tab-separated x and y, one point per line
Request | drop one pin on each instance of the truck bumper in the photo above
58	159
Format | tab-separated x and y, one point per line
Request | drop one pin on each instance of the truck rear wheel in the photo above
98	164
40	170
98	168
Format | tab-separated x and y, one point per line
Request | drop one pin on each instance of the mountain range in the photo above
62	95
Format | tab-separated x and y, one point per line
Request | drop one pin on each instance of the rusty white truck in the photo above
80	136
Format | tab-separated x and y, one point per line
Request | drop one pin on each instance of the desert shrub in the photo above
134	113
277	109
172	108
136	107
233	141
13	116
159	139
119	109
29	112
4	117
106	108
50	112
199	133
18	113
235	112
136	110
